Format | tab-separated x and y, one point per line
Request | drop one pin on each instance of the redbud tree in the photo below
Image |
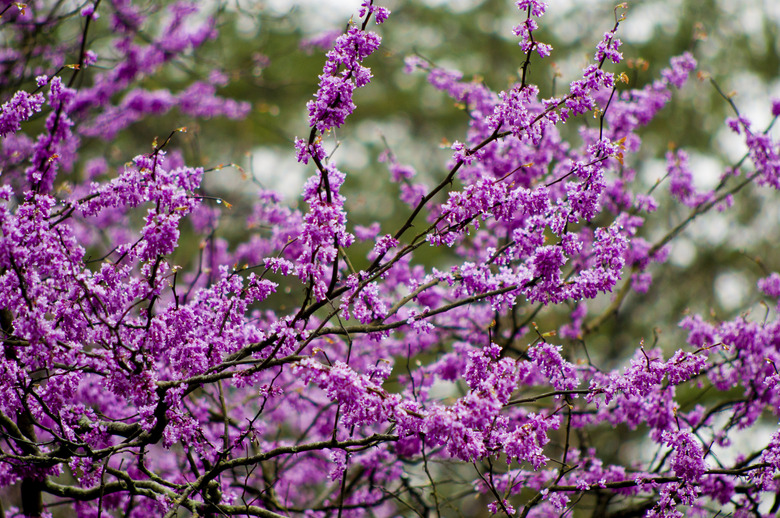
289	374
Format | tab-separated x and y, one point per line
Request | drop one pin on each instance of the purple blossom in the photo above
462	154
21	107
383	244
88	10
496	508
303	151
367	233
645	202
607	48
342	73
380	13
537	7
287	361
681	180
324	229
561	374
527	42
367	305
683	366
526	442
687	460
770	285
771	455
578	315
681	66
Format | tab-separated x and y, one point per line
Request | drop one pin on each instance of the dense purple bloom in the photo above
340	76
770	285
20	108
547	359
681	66
537	7
607	48
151	362
526	442
687	460
775	107
380	13
763	151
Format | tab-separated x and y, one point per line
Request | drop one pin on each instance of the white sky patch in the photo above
706	171
731	290
325	14
457	6
279	172
349	155
652	171
683	252
741	440
642	19
731	145
712	230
